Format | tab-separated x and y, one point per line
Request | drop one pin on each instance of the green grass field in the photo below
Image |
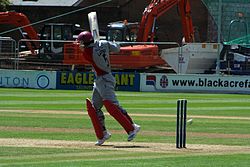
51	128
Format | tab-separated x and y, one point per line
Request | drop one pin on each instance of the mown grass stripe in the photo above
23	102
78	159
87	154
221	108
142	133
78	100
132	114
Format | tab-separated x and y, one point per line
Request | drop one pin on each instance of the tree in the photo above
3	5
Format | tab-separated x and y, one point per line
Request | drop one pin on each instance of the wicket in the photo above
181	122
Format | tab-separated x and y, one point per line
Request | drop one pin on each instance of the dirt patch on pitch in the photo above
125	146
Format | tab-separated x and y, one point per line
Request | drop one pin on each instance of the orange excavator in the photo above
138	56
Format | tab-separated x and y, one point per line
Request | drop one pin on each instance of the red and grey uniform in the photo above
98	55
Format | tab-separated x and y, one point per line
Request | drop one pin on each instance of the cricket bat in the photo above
93	23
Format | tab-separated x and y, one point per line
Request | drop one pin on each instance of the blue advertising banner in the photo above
125	81
28	79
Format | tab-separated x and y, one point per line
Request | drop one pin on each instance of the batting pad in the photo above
94	119
115	112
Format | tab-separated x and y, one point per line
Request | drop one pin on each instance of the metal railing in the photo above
7	53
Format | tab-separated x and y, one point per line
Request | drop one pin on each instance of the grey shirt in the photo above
101	50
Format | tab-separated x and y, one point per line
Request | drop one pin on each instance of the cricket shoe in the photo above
106	136
133	133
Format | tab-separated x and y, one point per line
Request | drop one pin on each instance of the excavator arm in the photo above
186	20
20	20
158	7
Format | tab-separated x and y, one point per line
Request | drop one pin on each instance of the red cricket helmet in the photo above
85	37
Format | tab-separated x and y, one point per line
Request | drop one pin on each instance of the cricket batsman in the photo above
97	53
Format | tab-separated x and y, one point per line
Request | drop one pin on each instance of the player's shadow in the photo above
131	146
134	146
